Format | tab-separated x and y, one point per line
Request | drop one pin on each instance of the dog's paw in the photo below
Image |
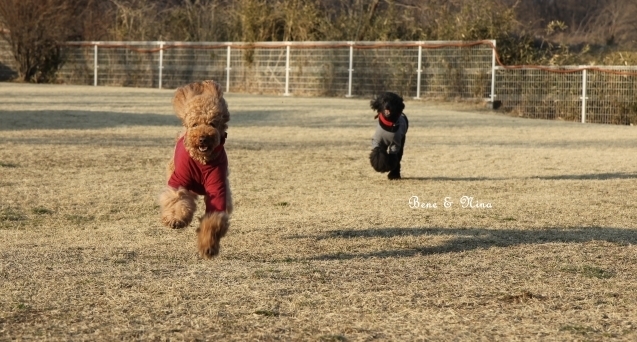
211	229
211	252
177	207
175	224
208	242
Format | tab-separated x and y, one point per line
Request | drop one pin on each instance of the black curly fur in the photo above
382	161
388	101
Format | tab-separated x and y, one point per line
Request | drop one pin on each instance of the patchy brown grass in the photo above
320	247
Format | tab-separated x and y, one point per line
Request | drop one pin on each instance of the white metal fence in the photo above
435	69
584	93
415	69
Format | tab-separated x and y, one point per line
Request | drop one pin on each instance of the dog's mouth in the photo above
202	144
205	144
205	149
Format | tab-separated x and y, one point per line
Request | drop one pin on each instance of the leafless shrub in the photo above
35	29
136	20
614	24
196	20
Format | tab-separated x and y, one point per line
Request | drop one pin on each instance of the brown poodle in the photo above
199	165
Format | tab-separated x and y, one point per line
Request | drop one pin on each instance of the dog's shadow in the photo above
590	176
467	239
454	179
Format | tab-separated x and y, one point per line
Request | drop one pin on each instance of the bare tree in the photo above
253	20
194	20
135	20
96	19
35	29
615	24
303	20
577	15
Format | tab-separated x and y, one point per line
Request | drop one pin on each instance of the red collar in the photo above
384	120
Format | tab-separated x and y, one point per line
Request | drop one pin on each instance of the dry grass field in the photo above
320	248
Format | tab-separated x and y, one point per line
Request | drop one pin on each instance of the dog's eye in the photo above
194	125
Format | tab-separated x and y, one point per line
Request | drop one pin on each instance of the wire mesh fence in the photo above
540	94
414	69
448	70
587	94
612	96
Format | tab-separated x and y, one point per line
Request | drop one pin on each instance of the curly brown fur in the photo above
212	227
177	207
204	115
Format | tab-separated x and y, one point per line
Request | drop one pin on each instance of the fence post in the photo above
584	97
419	71
95	65
493	54
287	70
161	61
351	66
228	70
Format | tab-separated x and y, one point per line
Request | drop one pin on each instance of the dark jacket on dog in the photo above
390	134
388	141
203	179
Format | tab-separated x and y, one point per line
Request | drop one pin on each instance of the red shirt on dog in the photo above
207	179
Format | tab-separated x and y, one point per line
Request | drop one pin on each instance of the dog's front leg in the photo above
212	228
177	207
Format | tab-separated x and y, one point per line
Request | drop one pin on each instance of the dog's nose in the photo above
202	140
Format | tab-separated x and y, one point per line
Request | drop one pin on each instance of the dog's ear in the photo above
214	89
211	87
183	94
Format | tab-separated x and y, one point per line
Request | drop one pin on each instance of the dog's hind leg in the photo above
212	228
177	207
